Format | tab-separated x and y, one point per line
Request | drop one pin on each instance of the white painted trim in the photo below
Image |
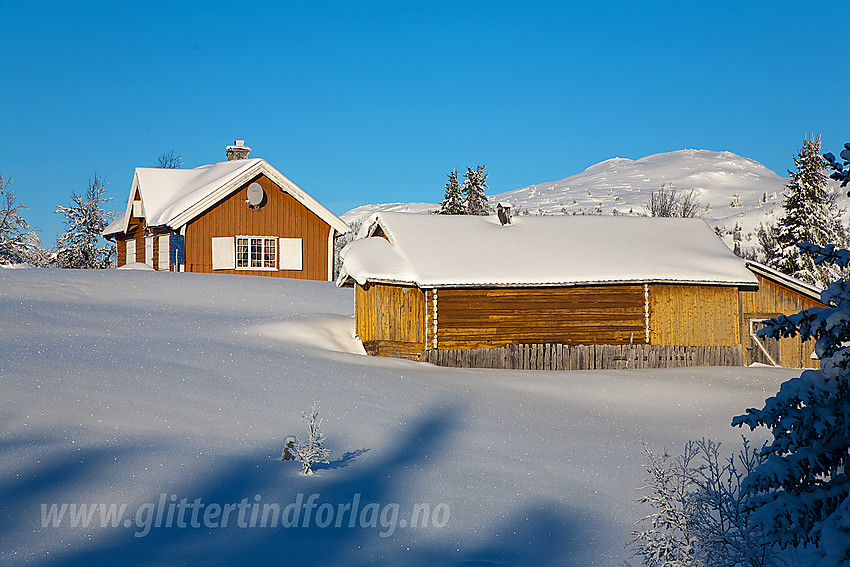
182	267
277	247
129	210
646	321
435	327
331	232
261	167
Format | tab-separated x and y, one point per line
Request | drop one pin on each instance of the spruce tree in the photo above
800	494
810	216
453	202
473	190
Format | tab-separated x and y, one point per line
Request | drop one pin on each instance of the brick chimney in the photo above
238	151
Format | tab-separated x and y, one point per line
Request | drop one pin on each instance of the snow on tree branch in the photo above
800	494
312	450
79	246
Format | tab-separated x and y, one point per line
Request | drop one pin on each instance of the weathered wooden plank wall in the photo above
770	301
585	357
390	319
697	315
494	317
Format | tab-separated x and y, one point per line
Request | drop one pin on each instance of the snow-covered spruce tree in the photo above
18	242
312	450
768	244
453	202
473	190
801	493
79	246
841	170
811	215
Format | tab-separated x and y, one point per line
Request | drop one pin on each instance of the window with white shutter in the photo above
290	254
164	251
131	251
223	257
149	251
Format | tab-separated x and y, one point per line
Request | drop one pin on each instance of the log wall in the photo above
495	317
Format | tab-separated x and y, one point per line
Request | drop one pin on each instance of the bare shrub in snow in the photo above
666	537
169	160
312	450
668	202
699	516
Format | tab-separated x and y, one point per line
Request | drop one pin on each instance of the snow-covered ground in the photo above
733	191
166	392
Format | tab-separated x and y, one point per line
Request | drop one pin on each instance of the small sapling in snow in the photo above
312	450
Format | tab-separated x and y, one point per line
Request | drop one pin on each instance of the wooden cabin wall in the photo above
773	299
281	215
693	315
495	317
390	319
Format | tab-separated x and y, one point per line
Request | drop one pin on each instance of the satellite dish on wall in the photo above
255	194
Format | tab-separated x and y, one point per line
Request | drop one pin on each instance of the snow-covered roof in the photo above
173	197
464	251
800	286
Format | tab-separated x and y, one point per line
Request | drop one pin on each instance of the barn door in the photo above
762	349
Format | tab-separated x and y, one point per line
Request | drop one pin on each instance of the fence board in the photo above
584	357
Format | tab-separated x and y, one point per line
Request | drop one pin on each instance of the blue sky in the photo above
363	102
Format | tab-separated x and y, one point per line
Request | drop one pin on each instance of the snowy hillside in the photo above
163	392
732	190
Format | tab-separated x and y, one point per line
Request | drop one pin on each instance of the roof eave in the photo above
261	167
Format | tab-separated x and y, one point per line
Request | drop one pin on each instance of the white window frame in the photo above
256	253
130	251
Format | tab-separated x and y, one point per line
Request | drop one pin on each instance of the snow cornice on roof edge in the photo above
434	251
262	167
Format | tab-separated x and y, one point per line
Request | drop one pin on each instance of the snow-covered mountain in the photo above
733	191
